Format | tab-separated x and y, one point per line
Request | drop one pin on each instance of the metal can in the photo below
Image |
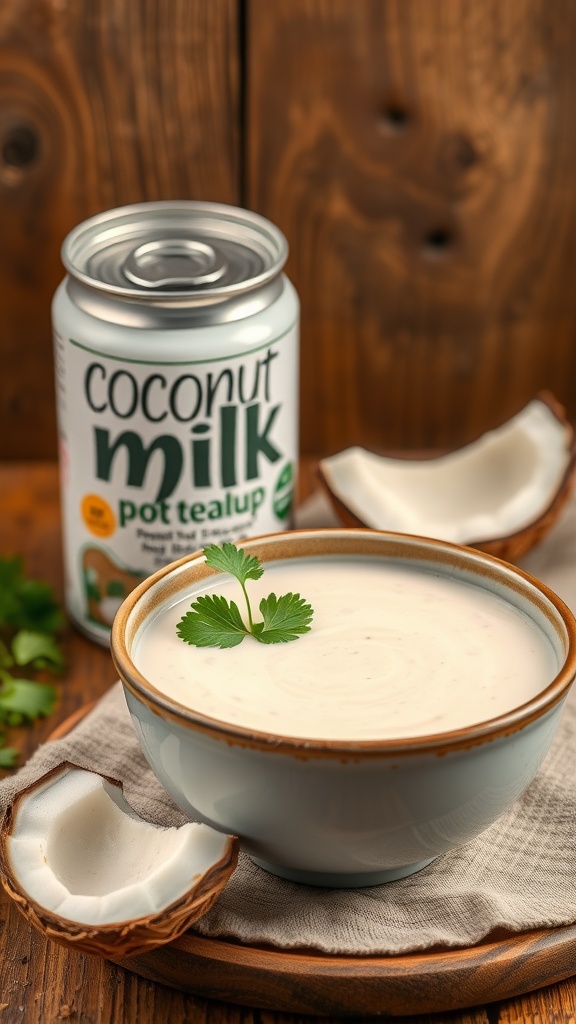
176	352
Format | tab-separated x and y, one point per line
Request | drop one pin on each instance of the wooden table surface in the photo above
42	983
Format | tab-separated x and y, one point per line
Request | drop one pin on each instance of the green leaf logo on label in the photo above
284	492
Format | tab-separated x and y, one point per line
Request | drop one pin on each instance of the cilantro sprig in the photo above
213	621
29	619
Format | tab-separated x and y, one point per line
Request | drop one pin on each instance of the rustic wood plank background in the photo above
419	157
102	102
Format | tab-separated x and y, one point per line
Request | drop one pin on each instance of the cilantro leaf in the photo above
37	649
215	622
38	608
23	700
26	603
29	618
229	558
285	618
212	622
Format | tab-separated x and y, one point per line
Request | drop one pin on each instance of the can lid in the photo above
180	253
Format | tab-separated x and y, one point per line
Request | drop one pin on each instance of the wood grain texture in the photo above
309	983
42	983
101	104
419	156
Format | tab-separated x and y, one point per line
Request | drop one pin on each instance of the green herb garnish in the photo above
29	619
215	622
26	603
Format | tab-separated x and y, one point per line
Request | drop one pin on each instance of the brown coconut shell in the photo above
510	547
124	938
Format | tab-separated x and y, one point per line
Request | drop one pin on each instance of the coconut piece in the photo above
500	494
88	872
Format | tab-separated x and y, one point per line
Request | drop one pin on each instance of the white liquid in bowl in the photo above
393	652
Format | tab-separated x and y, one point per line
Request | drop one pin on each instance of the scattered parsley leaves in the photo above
24	700
213	621
26	603
29	619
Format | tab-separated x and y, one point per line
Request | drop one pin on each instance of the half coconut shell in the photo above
87	872
500	494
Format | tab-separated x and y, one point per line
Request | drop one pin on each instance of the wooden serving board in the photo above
310	982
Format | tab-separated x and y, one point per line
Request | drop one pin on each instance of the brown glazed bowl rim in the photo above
173	579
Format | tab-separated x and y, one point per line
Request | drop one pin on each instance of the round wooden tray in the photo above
310	982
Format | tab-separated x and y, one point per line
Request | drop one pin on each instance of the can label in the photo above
159	459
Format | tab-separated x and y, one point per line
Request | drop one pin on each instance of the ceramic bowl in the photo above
347	813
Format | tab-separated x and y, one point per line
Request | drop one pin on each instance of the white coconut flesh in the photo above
489	489
81	852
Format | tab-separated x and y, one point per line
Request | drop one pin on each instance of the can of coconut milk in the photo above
176	350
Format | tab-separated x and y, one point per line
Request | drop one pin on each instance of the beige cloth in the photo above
520	874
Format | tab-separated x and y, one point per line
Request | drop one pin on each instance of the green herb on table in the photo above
29	620
213	621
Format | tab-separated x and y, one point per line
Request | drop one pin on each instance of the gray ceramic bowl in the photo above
347	813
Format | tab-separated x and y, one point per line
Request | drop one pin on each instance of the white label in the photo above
161	459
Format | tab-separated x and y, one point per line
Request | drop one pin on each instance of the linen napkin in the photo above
520	874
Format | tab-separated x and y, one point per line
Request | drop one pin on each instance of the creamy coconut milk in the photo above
393	652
